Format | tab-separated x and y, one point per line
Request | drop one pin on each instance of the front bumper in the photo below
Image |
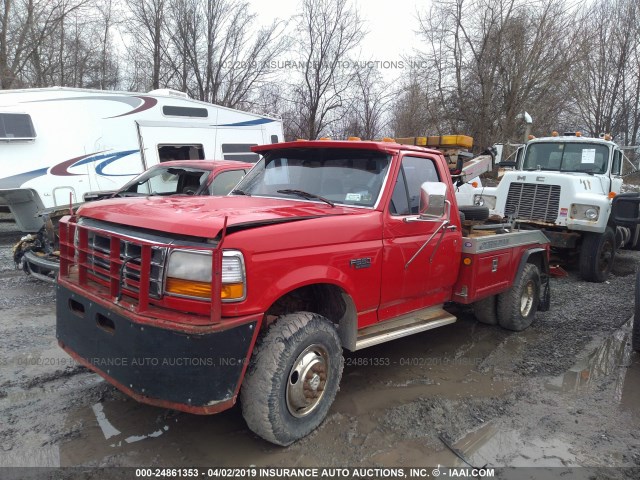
193	372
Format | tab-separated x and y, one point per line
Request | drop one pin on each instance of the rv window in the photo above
173	111
16	126
180	152
240	152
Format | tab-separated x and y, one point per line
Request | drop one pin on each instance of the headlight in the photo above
585	212
189	274
488	201
591	213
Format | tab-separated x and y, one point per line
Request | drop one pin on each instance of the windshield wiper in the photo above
239	192
303	194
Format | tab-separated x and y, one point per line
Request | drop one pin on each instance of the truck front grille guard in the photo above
124	266
532	201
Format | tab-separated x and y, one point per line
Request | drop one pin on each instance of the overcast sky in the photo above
391	24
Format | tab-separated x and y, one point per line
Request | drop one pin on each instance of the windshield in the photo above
567	157
166	181
343	176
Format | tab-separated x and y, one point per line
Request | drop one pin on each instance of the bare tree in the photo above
218	54
601	86
147	25
327	32
25	27
493	59
409	115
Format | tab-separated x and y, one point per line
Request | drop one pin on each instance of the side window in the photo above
240	152
400	198
518	158
16	126
414	171
180	152
225	181
616	168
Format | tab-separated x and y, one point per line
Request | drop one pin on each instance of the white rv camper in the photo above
58	143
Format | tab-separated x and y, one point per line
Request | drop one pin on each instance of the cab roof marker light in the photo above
554	133
388	140
354	139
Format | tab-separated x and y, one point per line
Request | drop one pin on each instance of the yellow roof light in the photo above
531	137
389	140
578	134
554	134
354	139
324	138
301	140
607	137
453	141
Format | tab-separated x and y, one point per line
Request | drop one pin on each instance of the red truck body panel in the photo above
385	263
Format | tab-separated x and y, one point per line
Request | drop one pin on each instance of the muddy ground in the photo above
563	393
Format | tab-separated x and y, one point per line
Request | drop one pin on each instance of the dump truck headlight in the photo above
488	201
585	212
189	275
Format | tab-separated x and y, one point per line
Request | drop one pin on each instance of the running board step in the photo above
414	322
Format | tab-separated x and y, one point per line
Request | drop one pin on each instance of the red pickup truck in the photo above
188	302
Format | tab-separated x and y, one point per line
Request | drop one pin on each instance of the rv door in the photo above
163	141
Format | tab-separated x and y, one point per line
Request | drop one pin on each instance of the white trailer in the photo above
56	144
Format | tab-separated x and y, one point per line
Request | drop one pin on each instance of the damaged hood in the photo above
204	216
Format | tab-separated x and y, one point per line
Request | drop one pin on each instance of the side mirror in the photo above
433	196
498	148
93	196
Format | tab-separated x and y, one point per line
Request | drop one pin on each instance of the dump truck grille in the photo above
532	201
109	258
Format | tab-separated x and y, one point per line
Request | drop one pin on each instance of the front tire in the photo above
596	255
517	306
293	378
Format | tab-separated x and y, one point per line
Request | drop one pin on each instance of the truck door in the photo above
428	279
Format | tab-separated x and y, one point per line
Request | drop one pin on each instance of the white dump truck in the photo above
564	186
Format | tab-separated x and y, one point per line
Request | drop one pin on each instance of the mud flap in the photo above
545	294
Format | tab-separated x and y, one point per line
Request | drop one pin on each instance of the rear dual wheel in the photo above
516	308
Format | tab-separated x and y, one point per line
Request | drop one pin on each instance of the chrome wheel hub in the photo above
307	380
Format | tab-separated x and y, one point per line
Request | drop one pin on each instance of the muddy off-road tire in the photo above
293	378
474	212
635	332
517	306
596	255
485	310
